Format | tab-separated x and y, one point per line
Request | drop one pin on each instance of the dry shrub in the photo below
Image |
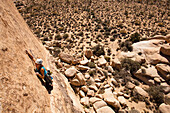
130	65
156	94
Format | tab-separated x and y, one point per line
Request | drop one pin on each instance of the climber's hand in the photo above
26	51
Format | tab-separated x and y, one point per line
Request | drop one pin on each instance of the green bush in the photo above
126	13
107	58
101	90
137	97
65	36
89	82
122	75
156	94
135	37
58	37
91	65
80	33
161	24
98	50
130	65
126	46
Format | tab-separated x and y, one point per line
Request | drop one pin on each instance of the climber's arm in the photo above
31	57
42	74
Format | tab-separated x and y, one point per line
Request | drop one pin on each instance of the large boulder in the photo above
84	88
163	108
165	49
102	61
130	85
81	78
71	72
83	68
94	99
131	55
99	104
110	99
147	75
88	53
116	64
167	99
90	93
141	92
84	62
78	80
85	101
122	100
164	71
150	50
167	38
105	109
81	93
66	57
161	37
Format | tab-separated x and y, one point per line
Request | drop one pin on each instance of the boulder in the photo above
99	96
84	88
147	75
93	87
110	69
130	85
161	37
105	109
163	108
102	78
165	87
98	85
110	99
59	64
86	110
120	93
91	110
75	82
164	71
87	76
85	101
84	62
165	49
158	80
99	104
71	72
66	57
116	64
81	78
131	55
83	68
167	99
78	80
88	53
167	38
114	81
150	51
102	61
140	91
90	93
81	93
122	100
94	99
